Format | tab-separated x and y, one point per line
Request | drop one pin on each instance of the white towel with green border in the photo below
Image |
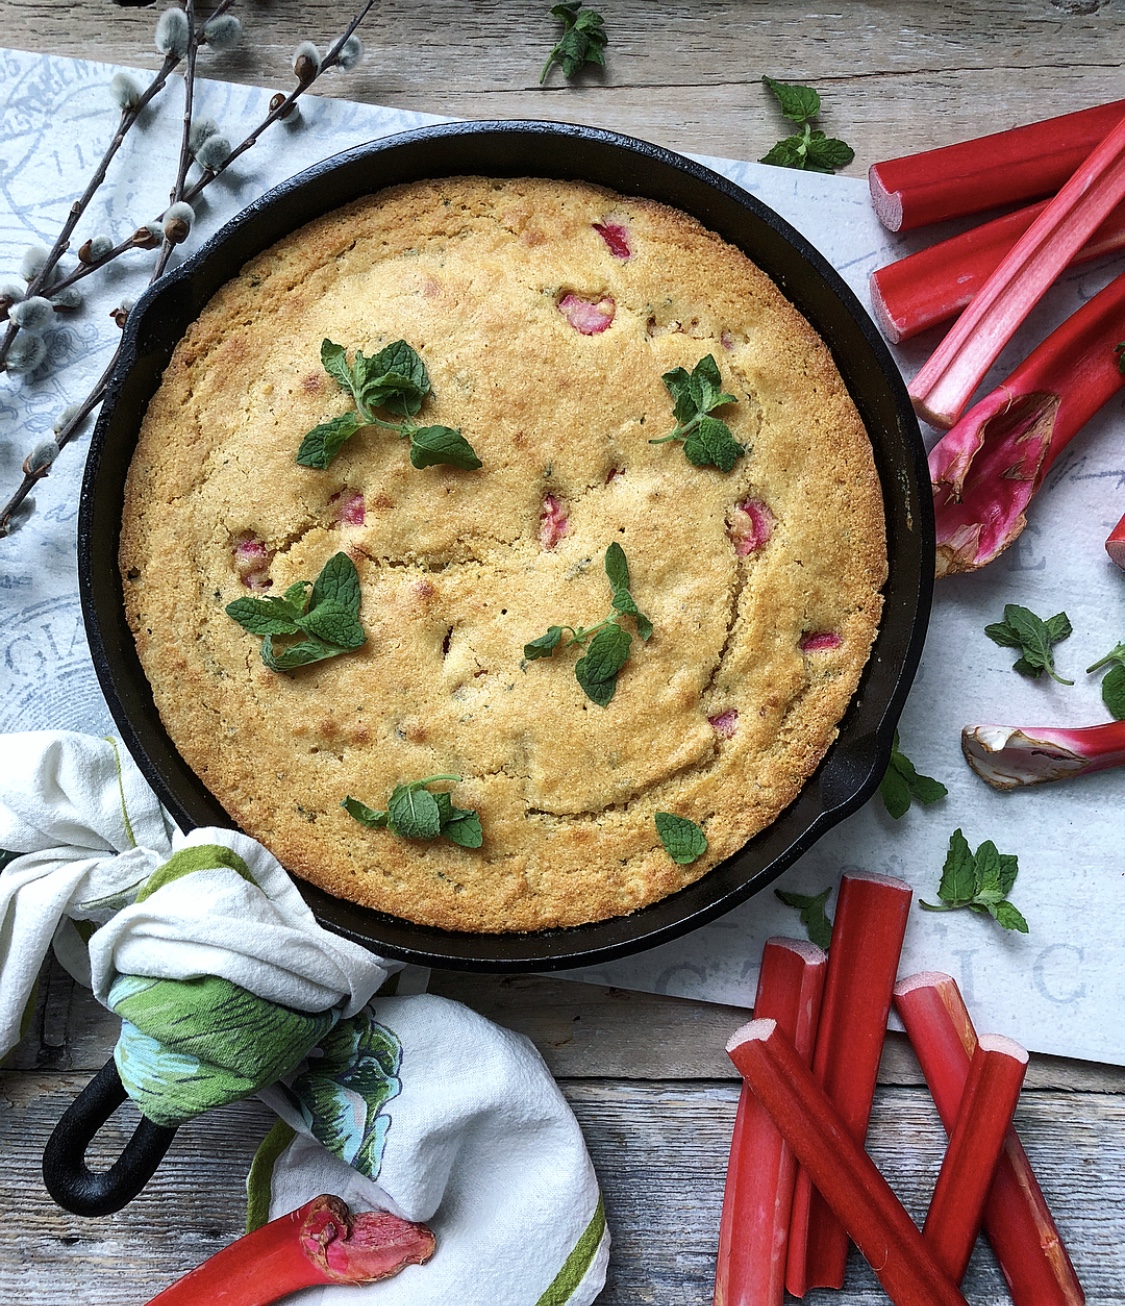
227	986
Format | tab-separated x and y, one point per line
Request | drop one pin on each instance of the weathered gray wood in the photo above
660	1150
895	77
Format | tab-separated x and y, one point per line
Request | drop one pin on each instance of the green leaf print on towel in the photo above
345	1087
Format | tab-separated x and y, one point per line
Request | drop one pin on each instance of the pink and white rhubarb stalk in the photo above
945	384
987	468
1009	756
320	1243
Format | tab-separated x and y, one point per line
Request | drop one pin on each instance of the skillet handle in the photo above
69	1180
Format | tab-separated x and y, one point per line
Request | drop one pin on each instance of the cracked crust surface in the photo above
454	576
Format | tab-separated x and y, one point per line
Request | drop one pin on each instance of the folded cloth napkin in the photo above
226	985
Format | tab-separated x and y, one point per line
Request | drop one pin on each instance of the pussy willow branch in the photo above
97	394
177	192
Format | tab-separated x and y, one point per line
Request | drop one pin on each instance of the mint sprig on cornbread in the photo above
324	611
609	642
394	381
412	812
707	441
683	840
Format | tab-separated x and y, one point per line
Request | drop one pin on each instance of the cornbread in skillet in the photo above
546	313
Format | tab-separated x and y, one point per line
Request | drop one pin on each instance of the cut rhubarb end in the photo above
1007	757
320	1243
586	316
615	236
1005	168
854	1189
976	1144
867	935
986	470
945	383
1115	545
750	1268
553	521
1018	1223
726	723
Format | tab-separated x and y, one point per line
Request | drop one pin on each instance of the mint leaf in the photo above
338	582
712	444
335	624
297	655
413	812
901	783
326	611
1022	629
683	840
325	441
826	154
617	567
1113	684
582	42
980	881
800	104
609	648
334	360
607	654
814	917
269	616
810	149
707	441
600	691
544	646
433	445
364	814
395	379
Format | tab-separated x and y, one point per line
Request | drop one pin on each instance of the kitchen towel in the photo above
1050	989
225	984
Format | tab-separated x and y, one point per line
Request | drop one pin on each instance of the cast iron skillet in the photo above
855	762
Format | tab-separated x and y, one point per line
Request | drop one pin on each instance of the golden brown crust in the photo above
454	576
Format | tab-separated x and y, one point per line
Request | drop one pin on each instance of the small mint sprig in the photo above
980	881
707	441
1113	685
395	381
683	840
903	784
324	611
813	913
583	40
412	812
609	642
1034	637
810	151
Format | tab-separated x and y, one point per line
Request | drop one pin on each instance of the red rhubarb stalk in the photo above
1004	168
954	370
754	1230
935	284
1019	1226
987	468
976	1143
1115	545
321	1242
840	1168
867	938
1009	756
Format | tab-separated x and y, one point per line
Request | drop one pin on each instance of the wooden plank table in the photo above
646	1075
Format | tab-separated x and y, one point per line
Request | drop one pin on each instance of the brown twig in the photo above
187	194
177	192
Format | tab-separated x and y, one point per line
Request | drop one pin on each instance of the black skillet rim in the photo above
852	767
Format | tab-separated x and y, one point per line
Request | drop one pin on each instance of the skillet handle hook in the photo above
70	1181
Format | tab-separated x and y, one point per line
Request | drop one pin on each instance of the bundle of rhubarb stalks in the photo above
800	1184
995	455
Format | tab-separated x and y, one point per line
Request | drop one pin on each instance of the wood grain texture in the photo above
894	77
660	1151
